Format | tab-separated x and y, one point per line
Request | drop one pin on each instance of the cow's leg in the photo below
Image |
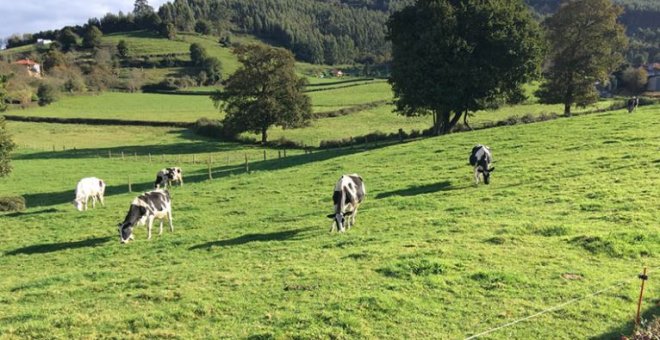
476	176
181	180
150	223
101	199
354	215
93	201
160	230
86	201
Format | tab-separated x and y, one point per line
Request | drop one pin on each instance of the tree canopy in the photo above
92	37
587	45
453	57
264	91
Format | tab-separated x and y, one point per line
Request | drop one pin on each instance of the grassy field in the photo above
572	209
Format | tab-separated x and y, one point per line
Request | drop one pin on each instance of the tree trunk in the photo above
264	135
436	123
465	120
567	109
453	121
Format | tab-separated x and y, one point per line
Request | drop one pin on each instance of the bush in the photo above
12	203
209	127
46	93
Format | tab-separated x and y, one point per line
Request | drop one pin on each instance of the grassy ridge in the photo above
572	209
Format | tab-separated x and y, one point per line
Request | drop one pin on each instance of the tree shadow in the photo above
38	212
419	190
248	238
628	328
53	247
53	198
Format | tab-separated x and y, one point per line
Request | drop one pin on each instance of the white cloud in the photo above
31	16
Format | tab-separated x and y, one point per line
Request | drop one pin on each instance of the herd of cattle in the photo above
349	193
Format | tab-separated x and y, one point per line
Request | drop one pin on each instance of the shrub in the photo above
209	127
46	93
12	203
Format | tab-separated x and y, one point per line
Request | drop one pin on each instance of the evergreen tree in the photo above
141	8
92	37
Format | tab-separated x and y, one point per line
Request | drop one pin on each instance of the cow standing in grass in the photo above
480	159
166	176
632	104
89	187
144	210
348	195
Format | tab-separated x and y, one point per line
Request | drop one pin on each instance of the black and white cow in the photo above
166	176
480	159
144	210
347	197
89	187
632	104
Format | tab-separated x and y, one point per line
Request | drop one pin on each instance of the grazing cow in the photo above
481	159
166	176
90	187
144	210
632	104
347	197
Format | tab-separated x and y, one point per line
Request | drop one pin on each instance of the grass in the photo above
572	208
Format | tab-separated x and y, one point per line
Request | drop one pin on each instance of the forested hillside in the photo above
321	32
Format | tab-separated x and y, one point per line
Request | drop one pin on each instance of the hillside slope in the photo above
572	209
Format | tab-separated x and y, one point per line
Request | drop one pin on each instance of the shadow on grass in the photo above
629	328
419	190
38	212
53	198
53	247
248	238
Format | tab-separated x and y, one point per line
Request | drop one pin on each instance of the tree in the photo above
68	39
203	27
92	37
3	92
450	57
141	8
6	144
46	93
53	59
586	46
212	67
264	91
168	30
122	49
197	54
635	79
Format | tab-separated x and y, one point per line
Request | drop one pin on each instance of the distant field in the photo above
572	209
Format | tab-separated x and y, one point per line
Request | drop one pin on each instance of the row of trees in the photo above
449	59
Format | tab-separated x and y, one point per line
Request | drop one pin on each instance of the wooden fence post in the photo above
130	189
193	158
122	155
284	153
264	154
643	277
247	165
109	153
208	163
279	154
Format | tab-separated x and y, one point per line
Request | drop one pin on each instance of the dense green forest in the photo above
324	32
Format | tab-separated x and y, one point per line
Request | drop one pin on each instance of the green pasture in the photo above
572	209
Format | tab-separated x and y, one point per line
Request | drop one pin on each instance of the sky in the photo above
31	16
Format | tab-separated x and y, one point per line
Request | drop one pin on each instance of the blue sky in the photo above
30	16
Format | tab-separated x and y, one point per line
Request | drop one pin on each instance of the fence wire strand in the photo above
558	307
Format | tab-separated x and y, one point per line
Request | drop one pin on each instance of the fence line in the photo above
556	307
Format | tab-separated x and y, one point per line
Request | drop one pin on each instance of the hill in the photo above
571	210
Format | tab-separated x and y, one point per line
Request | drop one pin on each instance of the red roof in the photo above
25	62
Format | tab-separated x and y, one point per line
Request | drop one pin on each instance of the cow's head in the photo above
338	219
486	174
78	204
135	214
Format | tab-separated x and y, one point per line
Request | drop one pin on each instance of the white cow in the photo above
347	197
166	176
90	187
